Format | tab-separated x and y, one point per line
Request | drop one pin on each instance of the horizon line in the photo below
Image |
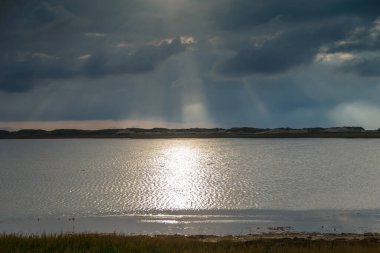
125	124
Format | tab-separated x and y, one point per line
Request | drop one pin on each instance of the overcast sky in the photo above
188	63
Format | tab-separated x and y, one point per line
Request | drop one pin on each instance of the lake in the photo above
190	186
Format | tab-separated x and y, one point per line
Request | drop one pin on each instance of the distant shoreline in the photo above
164	133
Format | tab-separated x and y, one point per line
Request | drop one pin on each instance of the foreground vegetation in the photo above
117	243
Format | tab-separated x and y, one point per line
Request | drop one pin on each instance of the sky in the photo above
189	63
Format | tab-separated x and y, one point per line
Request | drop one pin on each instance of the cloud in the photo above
365	38
366	67
264	37
334	57
357	113
84	57
95	35
359	53
49	15
123	45
68	34
271	37
23	18
141	60
290	48
240	14
33	69
188	40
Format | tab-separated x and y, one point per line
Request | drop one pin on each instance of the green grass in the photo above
117	243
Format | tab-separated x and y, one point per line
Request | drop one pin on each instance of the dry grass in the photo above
94	243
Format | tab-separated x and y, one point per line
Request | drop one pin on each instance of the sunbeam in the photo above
194	108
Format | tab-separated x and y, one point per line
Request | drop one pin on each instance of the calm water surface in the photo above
220	177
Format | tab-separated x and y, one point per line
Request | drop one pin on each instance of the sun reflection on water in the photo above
181	176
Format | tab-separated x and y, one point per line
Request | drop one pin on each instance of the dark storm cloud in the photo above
286	50
125	62
296	31
29	31
29	19
43	41
362	39
364	44
29	70
242	14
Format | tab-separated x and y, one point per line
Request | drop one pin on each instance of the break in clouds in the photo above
191	63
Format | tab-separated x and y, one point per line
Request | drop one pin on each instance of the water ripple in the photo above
88	177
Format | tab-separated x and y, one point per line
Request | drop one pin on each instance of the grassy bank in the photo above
117	243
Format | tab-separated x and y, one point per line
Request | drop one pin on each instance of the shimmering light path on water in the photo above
100	177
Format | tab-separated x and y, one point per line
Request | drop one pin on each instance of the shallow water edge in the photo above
216	222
